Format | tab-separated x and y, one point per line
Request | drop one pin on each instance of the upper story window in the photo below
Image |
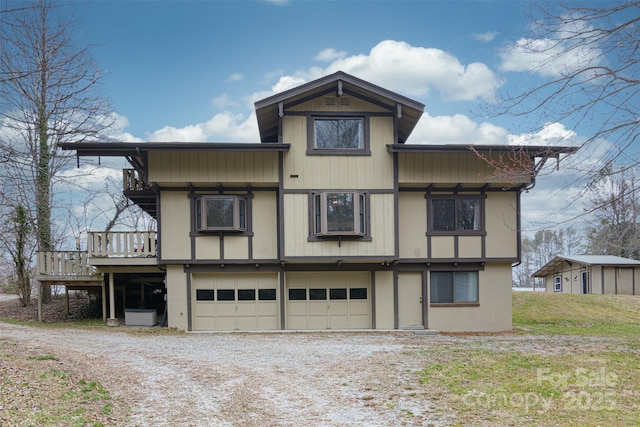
221	213
338	135
456	214
339	214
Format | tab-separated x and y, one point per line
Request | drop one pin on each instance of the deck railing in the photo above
122	244
132	181
64	263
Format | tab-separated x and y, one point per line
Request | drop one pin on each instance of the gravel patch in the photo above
261	379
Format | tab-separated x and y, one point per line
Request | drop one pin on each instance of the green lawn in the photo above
572	360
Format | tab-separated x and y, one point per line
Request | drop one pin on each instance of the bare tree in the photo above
48	94
589	58
615	204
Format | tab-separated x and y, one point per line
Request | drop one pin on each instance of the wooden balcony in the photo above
138	191
66	265
122	248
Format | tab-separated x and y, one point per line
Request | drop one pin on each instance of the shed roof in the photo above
591	260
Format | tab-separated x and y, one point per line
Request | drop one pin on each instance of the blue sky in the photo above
191	70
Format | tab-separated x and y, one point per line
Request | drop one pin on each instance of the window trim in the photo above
557	283
481	231
241	209
365	150
455	303
361	217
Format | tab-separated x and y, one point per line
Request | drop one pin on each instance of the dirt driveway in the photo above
252	379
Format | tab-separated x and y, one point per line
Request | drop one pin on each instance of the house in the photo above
591	274
331	221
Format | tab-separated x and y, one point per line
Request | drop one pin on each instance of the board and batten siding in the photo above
359	172
296	231
449	168
501	239
175	225
208	167
501	224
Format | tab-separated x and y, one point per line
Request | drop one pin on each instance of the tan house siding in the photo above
175	225
384	300
296	231
356	172
412	225
492	315
178	314
265	225
207	167
501	222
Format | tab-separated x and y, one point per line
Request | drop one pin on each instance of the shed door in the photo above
328	300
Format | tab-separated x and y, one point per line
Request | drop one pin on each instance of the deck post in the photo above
39	301
66	301
112	321
104	302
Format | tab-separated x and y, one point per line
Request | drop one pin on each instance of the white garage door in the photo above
328	300
227	302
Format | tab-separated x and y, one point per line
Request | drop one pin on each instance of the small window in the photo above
226	295
246	294
340	293
358	293
267	294
557	284
339	214
338	133
221	213
456	214
297	294
204	295
454	287
317	294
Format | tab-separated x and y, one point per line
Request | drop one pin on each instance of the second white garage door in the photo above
336	300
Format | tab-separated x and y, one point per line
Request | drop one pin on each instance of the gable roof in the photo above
591	260
268	110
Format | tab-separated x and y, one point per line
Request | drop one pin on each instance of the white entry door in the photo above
410	301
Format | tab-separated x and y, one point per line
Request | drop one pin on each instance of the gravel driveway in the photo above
248	379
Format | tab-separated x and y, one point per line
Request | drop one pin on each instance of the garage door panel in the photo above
329	301
235	301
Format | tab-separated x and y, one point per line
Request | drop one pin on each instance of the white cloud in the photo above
223	127
547	57
485	37
410	70
223	101
456	129
235	77
330	54
551	134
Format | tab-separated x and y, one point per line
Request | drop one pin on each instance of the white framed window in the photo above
339	213
455	214
454	287
557	284
221	213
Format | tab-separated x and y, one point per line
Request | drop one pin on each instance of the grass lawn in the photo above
572	360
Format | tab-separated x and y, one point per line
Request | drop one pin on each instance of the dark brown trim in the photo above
454	304
396	206
396	310
425	298
189	308
283	306
372	285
